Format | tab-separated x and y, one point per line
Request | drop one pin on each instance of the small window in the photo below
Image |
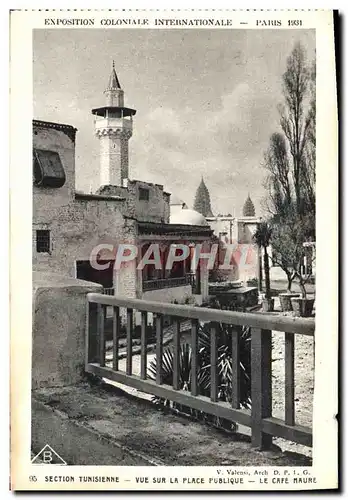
143	194
48	169
42	241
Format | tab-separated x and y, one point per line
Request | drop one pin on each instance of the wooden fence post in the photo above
92	341
261	385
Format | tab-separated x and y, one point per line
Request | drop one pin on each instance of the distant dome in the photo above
248	208
187	216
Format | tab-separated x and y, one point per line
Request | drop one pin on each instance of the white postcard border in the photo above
326	395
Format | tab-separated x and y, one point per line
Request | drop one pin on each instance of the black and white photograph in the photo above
175	231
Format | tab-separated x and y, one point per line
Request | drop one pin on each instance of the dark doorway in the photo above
84	271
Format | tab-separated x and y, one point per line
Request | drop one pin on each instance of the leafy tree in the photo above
284	251
288	250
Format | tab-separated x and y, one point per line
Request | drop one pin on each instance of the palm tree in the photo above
262	238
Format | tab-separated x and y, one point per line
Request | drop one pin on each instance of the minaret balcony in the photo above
102	124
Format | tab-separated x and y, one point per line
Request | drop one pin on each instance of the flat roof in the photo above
91	196
68	129
159	227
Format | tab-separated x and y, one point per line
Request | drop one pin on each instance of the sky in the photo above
206	102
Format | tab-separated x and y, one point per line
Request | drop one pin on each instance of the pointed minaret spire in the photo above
114	93
114	84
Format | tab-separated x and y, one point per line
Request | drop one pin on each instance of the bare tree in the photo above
295	121
278	181
290	164
310	150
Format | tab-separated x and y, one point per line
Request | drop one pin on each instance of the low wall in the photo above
59	322
178	293
277	274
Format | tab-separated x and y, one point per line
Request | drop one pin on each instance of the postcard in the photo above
174	188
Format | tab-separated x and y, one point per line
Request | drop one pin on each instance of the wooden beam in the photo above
159	348
304	326
194	359
235	367
214	376
261	385
92	341
297	433
289	379
221	409
115	336
101	333
176	355
143	348
129	341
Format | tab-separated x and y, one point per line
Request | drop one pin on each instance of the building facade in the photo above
73	230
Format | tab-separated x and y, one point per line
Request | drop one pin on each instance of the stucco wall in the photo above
76	229
156	209
76	226
114	157
126	276
166	197
60	142
220	225
246	231
59	323
179	293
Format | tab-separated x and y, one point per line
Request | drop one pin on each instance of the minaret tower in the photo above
114	127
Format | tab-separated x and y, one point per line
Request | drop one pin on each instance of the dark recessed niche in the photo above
48	169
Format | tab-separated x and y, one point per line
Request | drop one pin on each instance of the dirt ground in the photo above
107	427
304	385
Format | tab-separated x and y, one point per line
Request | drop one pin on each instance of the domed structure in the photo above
202	200
187	216
248	208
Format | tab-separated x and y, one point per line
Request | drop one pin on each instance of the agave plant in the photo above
225	371
185	372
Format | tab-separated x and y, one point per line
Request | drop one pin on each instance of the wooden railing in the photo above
263	425
157	284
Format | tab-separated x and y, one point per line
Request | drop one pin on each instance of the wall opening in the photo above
84	271
43	241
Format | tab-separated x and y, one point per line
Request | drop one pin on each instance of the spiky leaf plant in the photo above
225	371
